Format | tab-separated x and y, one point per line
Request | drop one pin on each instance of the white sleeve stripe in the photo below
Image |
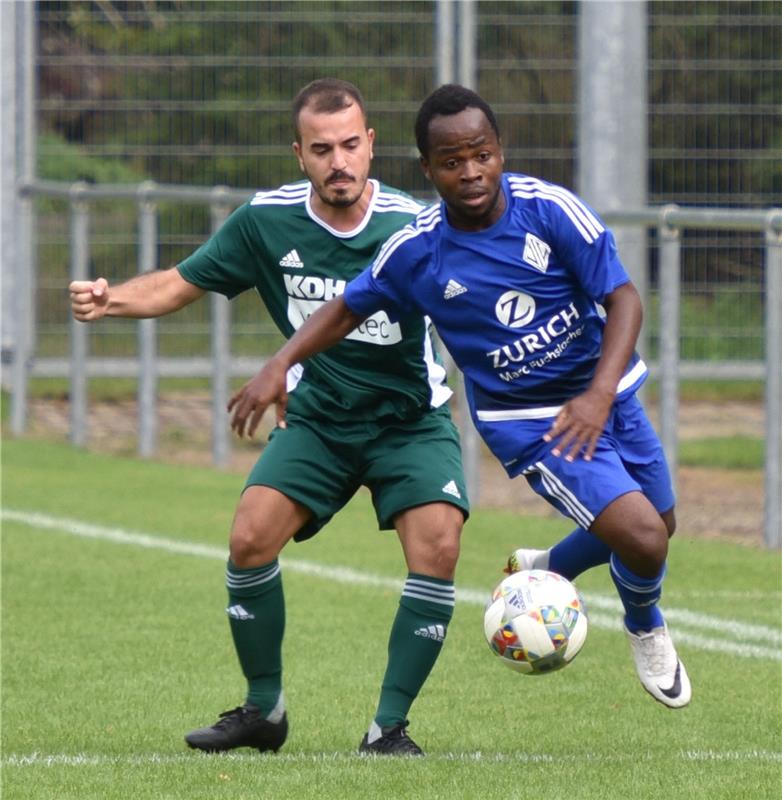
585	233
389	247
278	201
574	202
285	195
586	223
423	224
386	200
428	213
382	208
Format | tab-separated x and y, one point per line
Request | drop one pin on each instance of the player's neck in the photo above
343	218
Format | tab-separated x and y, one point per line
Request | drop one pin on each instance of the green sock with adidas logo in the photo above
417	636
256	612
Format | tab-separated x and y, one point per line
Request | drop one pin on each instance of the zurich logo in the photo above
515	309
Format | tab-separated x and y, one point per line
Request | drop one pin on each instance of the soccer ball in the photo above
535	622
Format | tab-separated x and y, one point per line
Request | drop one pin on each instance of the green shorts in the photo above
404	464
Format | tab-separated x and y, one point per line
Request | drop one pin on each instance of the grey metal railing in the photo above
669	221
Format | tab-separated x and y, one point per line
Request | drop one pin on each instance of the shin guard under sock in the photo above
256	611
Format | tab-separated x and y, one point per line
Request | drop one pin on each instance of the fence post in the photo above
25	38
670	291
772	532
221	348
467	62
147	328
445	35
79	271
471	444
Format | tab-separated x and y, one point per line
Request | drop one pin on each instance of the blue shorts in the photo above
628	458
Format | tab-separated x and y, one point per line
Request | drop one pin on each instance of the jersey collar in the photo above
361	225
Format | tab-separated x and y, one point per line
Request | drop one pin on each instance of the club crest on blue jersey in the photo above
536	252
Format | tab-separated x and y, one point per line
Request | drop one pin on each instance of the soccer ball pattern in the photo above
535	622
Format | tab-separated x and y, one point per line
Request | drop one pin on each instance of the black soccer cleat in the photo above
393	742
243	726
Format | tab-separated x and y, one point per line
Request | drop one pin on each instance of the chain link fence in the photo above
199	93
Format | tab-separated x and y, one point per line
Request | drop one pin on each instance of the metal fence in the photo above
196	93
669	223
199	92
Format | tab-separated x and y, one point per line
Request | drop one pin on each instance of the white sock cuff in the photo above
275	715
374	732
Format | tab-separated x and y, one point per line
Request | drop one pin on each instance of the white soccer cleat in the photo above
522	559
661	672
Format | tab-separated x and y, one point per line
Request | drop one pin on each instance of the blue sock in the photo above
639	596
576	553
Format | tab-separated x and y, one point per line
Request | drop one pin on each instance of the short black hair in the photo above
448	100
326	96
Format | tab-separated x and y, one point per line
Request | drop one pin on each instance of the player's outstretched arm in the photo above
581	421
328	325
151	294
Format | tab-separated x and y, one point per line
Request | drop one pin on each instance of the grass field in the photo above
114	643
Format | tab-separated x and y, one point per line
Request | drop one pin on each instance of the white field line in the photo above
740	639
152	759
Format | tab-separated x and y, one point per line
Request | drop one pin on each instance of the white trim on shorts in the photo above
555	488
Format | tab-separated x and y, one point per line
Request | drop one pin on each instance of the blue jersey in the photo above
516	304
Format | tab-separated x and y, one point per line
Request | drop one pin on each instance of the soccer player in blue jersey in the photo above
526	289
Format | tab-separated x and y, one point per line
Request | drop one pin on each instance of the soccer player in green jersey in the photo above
372	411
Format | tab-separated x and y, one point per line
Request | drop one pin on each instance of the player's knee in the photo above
440	554
430	537
650	548
447	550
242	548
449	541
248	546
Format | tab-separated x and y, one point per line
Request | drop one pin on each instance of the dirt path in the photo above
711	502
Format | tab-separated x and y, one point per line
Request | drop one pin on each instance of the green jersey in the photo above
277	245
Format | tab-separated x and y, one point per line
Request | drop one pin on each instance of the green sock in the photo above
417	636
256	611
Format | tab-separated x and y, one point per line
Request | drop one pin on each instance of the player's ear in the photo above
425	167
371	138
297	150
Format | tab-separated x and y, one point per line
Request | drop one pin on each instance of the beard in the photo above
342	196
340	199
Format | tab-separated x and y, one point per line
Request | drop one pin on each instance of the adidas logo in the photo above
435	632
238	612
452	289
451	487
291	260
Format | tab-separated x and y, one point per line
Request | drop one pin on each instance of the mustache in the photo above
339	176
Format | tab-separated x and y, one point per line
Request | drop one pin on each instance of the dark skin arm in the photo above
328	325
582	420
579	424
